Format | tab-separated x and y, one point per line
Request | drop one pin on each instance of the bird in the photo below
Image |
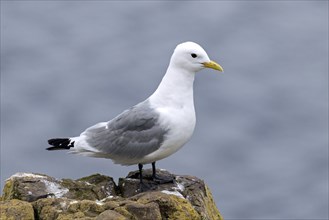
154	128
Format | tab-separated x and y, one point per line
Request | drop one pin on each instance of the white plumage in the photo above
154	128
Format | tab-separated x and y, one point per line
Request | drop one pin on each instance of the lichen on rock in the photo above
16	209
38	196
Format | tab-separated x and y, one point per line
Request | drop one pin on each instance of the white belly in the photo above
173	100
181	124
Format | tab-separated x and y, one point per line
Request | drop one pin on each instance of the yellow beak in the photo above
213	65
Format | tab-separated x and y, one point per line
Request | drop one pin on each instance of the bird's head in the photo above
192	57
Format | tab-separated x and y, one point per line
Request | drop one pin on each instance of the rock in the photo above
16	209
63	208
129	186
31	187
94	187
110	215
171	206
186	187
98	197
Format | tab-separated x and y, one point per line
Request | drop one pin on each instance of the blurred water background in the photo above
261	140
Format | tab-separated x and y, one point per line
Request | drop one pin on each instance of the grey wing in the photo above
133	134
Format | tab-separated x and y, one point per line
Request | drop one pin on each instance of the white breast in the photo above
173	100
180	123
177	115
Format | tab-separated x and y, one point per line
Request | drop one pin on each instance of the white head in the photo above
192	57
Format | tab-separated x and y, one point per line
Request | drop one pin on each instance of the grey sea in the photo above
261	139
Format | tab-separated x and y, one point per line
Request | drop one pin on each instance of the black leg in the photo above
158	179
140	167
153	170
142	186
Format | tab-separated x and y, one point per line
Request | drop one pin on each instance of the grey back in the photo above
133	134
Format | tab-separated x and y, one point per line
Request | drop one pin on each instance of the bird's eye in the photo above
193	55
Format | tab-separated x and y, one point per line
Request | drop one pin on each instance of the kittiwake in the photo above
154	128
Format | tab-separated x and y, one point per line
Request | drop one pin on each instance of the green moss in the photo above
62	208
76	215
111	215
16	209
123	211
79	190
8	190
179	209
211	209
91	208
111	205
171	206
95	178
46	208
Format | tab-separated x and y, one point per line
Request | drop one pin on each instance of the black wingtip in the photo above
55	148
60	144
